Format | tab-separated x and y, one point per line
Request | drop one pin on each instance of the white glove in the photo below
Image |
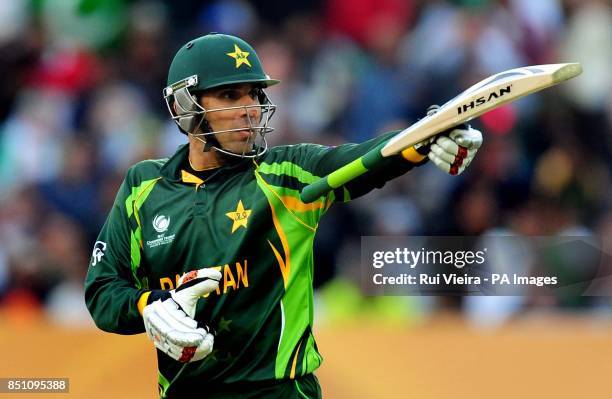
453	154
170	323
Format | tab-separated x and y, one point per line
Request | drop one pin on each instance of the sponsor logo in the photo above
161	223
98	252
484	99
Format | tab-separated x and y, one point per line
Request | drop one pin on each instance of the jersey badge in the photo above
241	57
161	223
98	252
240	216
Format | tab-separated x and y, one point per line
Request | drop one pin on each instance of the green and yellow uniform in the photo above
247	220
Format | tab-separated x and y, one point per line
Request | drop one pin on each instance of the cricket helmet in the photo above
212	61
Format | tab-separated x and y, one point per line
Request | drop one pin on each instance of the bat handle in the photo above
315	190
342	176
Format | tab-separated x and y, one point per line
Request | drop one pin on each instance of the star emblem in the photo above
240	56
223	325
240	216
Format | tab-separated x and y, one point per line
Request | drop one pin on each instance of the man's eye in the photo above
230	95
256	94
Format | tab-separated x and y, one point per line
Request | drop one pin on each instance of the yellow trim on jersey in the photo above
142	301
297	352
286	265
291	211
410	154
295	204
281	264
187	177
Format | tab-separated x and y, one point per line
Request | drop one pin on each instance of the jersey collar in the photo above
187	177
172	170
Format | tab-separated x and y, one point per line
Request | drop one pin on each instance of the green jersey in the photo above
247	220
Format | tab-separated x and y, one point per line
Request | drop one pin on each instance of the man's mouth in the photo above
244	134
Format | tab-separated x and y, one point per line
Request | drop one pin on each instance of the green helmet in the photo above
218	60
210	61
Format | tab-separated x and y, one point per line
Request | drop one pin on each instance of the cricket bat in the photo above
485	95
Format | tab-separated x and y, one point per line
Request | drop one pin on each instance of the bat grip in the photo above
315	190
342	175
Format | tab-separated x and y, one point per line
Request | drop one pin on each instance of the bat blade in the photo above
484	96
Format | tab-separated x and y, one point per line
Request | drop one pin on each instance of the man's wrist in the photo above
412	155
151	296
142	301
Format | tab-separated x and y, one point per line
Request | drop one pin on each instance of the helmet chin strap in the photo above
211	142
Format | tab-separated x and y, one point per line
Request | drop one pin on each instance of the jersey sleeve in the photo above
111	288
321	161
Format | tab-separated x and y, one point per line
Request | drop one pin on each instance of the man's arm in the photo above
111	289
119	300
451	152
321	160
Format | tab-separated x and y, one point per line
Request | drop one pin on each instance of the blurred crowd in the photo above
80	101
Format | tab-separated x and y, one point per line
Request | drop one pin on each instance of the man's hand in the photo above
453	154
169	321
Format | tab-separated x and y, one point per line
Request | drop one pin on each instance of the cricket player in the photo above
210	251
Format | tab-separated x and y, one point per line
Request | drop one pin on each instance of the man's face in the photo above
239	95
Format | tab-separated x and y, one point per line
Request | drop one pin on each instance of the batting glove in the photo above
169	321
453	154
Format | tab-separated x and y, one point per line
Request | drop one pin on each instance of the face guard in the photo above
190	117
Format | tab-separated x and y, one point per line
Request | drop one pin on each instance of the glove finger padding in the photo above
444	165
193	285
454	153
452	168
468	138
446	153
170	322
170	310
185	354
165	319
204	349
175	334
201	281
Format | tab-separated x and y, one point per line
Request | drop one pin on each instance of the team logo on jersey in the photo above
240	216
98	252
161	223
240	56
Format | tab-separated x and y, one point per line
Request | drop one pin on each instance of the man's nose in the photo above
251	108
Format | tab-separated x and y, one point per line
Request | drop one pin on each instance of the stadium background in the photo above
80	100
